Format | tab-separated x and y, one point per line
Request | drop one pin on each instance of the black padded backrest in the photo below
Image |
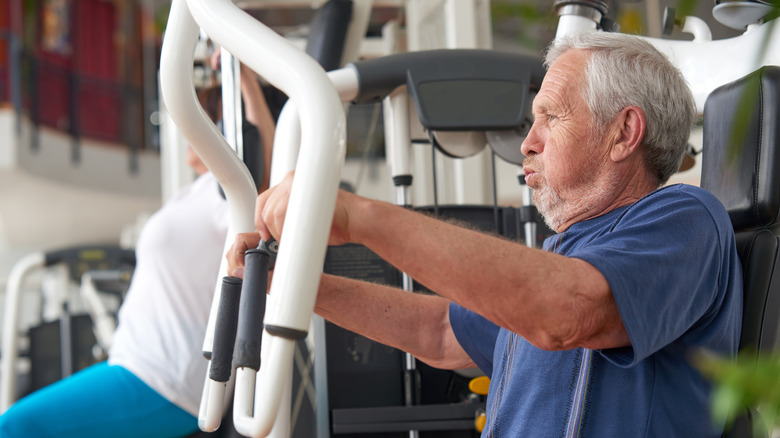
741	163
741	167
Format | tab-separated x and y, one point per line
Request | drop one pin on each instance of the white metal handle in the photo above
178	92
313	194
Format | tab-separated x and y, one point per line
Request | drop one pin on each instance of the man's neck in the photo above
614	191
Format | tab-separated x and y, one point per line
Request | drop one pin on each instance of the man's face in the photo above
562	161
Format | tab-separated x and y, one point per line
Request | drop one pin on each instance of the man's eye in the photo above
551	117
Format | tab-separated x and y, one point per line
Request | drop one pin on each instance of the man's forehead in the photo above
570	65
564	76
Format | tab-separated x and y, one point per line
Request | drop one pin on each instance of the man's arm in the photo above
554	302
257	112
418	324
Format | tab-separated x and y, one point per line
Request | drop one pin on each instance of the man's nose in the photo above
532	143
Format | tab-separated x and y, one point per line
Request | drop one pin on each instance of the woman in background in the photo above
151	384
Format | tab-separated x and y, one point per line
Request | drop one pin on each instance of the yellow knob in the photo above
479	385
480	421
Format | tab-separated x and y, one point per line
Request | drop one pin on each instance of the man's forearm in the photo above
418	324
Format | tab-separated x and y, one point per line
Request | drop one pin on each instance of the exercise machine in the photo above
319	159
71	335
310	136
701	60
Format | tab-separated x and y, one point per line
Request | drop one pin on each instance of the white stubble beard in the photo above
556	211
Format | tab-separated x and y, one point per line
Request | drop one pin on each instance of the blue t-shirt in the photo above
671	263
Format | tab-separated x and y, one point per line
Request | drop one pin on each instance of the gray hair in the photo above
625	70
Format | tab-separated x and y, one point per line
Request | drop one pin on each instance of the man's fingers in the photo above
271	207
235	255
260	205
238	271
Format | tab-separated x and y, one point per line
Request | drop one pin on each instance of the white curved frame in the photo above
319	113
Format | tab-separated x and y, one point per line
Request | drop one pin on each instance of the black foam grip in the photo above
225	330
252	309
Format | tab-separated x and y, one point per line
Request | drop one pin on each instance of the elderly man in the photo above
590	337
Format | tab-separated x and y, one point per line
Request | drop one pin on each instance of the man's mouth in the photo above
530	175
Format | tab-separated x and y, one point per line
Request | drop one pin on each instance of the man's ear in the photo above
629	130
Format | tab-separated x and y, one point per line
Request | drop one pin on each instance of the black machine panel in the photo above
46	349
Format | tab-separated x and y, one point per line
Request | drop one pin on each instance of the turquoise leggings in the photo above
100	401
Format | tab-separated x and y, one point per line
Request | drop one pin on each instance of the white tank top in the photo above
162	321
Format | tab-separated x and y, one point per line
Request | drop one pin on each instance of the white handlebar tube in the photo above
398	140
287	143
179	94
398	153
10	321
575	19
287	139
312	198
231	102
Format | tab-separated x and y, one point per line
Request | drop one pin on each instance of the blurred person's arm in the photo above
258	113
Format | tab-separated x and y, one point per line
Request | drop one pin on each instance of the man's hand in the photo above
271	209
235	255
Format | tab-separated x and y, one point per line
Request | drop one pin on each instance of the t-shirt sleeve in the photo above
476	335
662	263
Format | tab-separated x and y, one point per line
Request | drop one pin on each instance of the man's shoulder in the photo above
691	203
683	191
683	194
